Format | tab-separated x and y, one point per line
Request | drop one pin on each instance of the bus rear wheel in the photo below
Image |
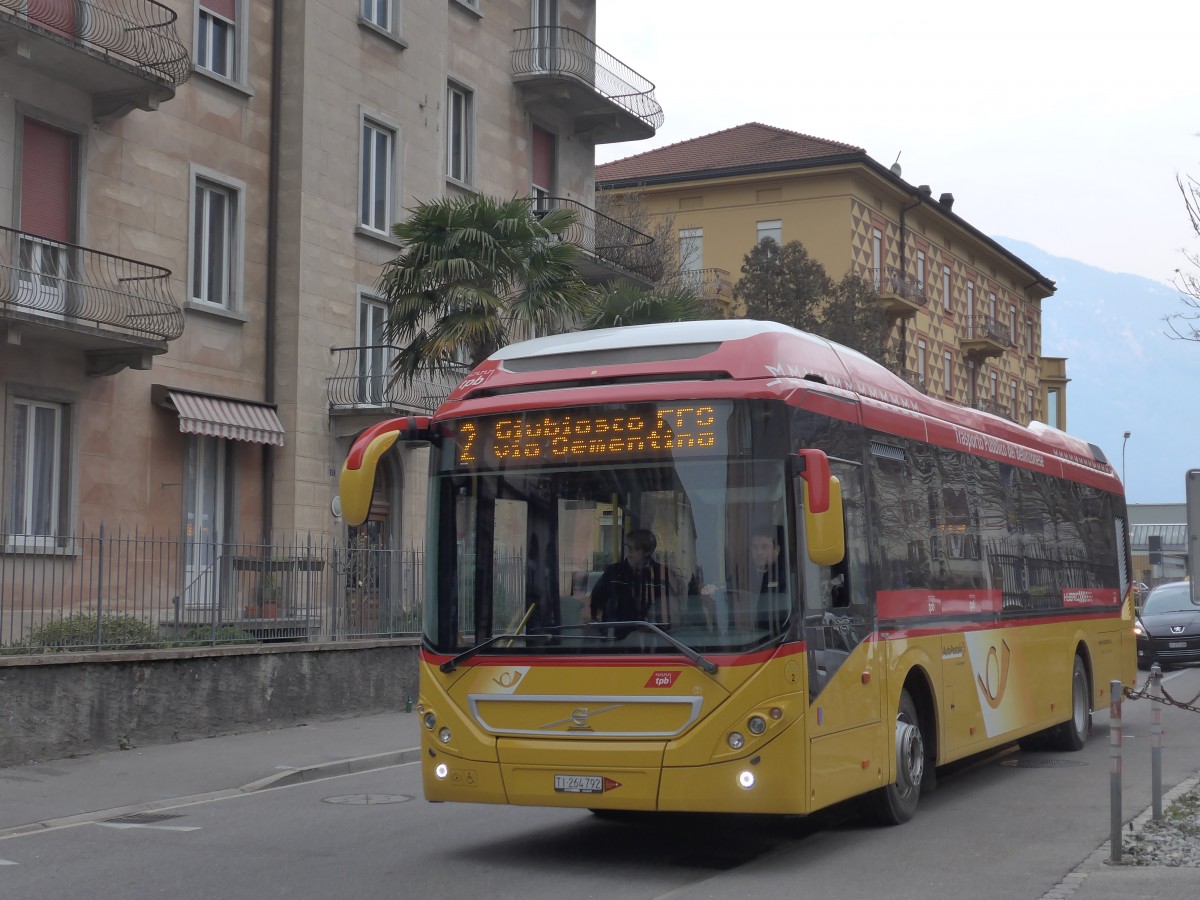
896	803
1072	734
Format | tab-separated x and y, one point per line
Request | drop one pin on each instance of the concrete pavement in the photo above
105	785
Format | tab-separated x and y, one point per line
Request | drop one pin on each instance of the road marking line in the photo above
153	827
7	862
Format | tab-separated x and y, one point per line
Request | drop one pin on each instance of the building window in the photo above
1012	324
948	373
946	281
459	136
216	243
876	257
994	382
691	249
1029	336
541	182
970	309
1052	408
378	13
1013	396
37	476
772	229
921	348
972	387
1029	404
992	306
921	272
374	356
378	162
216	33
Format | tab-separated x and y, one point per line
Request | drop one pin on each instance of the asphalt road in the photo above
1008	825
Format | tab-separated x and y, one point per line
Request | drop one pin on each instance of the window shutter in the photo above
226	8
47	181
543	158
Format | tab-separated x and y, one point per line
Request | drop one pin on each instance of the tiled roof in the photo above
745	145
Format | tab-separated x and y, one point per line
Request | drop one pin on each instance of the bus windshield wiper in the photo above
703	662
451	664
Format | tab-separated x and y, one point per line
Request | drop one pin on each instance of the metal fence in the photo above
121	590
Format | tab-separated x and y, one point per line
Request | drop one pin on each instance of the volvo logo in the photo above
580	716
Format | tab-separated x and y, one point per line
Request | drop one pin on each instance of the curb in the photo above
334	769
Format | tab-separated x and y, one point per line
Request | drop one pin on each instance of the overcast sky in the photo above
1062	123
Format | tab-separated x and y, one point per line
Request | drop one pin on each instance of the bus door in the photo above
845	670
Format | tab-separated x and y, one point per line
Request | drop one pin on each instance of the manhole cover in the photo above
1042	763
367	799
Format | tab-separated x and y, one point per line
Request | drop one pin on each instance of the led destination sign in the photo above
589	434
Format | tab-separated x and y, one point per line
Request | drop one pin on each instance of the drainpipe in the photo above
922	192
268	464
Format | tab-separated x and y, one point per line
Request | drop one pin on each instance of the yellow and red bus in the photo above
942	580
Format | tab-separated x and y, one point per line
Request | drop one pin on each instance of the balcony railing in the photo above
553	53
137	33
994	407
615	246
362	381
709	284
901	294
988	328
916	379
61	284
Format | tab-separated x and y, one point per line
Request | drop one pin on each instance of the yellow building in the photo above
966	310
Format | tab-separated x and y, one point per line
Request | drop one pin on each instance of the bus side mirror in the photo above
825	531
814	469
357	481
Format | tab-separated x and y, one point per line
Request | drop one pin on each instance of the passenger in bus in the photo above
637	588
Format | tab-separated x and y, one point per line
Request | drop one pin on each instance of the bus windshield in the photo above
617	556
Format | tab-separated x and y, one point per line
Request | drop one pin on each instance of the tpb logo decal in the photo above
662	679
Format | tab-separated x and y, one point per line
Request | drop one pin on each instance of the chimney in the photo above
925	190
947	200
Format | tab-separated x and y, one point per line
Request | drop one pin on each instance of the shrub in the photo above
204	634
108	632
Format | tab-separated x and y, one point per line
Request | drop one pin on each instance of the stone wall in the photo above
62	705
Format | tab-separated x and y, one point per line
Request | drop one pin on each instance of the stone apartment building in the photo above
966	311
195	204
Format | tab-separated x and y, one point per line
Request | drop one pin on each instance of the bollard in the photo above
408	705
1114	740
1156	739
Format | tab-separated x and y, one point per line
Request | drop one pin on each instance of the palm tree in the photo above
627	305
475	274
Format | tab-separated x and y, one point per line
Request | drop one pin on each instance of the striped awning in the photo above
238	420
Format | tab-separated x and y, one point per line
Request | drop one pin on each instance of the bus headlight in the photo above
430	720
444	735
746	779
756	724
736	740
442	770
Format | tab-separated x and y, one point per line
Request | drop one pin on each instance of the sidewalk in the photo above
41	795
140	779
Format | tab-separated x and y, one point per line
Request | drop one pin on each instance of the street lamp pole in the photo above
1123	443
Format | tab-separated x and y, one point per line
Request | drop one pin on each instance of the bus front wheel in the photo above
897	802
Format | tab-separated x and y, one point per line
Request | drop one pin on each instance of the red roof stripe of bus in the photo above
784	362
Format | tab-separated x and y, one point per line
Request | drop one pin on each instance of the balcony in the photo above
986	337
561	70
125	53
914	378
118	311
899	294
708	284
361	383
610	250
994	407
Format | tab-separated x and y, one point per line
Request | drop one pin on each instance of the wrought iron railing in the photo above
141	33
988	328
554	50
915	378
130	590
995	407
894	282
605	238
58	281
362	380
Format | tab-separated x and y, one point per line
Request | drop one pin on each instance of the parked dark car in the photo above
1168	627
